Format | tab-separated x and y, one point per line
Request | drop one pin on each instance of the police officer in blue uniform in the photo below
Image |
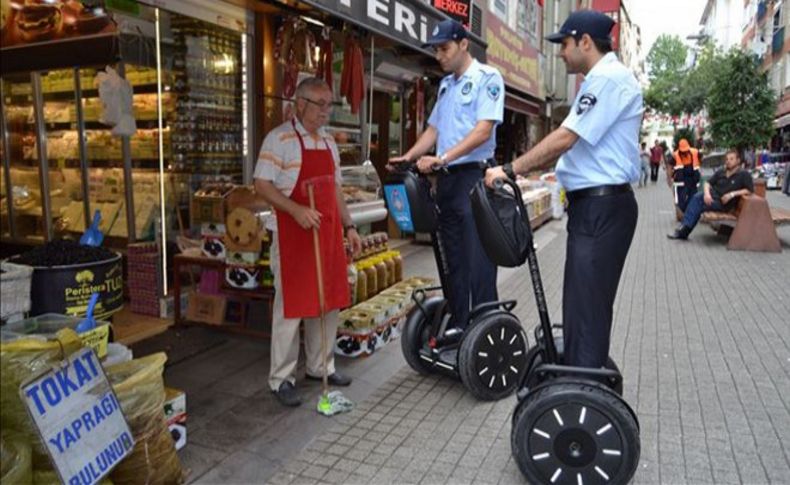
462	127
599	160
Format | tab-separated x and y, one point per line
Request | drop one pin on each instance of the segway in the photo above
571	424
489	355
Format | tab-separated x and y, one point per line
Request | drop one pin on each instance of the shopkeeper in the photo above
462	126
597	144
297	155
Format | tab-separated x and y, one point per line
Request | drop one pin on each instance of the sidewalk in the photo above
701	334
710	380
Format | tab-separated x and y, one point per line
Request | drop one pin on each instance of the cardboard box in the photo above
167	304
206	308
176	415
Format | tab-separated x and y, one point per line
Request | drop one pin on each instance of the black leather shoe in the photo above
287	395
335	379
681	233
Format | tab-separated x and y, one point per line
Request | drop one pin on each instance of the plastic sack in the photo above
116	97
50	477
141	393
116	354
15	459
21	358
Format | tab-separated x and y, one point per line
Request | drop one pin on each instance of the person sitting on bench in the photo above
720	194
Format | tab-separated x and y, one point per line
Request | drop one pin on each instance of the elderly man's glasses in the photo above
322	105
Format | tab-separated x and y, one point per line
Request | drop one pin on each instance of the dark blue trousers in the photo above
600	230
696	206
471	276
690	179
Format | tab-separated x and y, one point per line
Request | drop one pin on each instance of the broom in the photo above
334	402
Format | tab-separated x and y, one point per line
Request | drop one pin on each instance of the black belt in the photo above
479	166
598	191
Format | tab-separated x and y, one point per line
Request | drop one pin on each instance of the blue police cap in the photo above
445	31
595	24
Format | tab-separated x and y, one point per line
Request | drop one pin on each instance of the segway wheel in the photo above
534	359
415	334
575	433
492	356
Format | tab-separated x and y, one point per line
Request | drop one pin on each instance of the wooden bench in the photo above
752	227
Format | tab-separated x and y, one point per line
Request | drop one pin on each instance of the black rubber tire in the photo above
504	361
415	334
534	359
544	439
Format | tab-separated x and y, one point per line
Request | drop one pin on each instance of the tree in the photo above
699	81
667	61
741	104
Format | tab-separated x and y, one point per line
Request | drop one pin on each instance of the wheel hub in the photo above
575	447
499	357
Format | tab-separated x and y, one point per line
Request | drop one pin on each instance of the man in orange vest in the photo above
686	170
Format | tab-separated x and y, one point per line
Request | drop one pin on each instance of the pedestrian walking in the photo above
656	157
686	171
599	160
644	158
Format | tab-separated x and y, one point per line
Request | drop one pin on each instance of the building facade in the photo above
764	33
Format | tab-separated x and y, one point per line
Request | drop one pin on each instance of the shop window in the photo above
499	8
527	16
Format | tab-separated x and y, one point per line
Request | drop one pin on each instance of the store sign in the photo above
514	56
460	10
408	22
79	419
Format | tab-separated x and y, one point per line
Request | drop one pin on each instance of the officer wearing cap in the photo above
469	106
599	159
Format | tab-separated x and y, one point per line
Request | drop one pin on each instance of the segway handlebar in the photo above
548	346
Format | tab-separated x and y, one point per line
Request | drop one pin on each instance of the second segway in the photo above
571	425
489	354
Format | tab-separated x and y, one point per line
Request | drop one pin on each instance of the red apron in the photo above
297	256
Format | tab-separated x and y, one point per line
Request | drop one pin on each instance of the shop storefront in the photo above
77	142
384	109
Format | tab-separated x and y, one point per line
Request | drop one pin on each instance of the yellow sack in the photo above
20	360
141	393
15	459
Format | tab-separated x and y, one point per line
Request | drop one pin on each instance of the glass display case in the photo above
362	193
189	113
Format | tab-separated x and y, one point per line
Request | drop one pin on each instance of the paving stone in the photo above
709	379
314	471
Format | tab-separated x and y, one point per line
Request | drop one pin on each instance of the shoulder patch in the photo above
442	90
586	103
467	88
493	91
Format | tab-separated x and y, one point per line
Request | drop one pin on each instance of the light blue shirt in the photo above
607	115
478	95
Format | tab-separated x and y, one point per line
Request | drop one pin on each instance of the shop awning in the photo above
782	121
520	104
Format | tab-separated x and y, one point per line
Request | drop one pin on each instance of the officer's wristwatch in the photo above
508	169
443	158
